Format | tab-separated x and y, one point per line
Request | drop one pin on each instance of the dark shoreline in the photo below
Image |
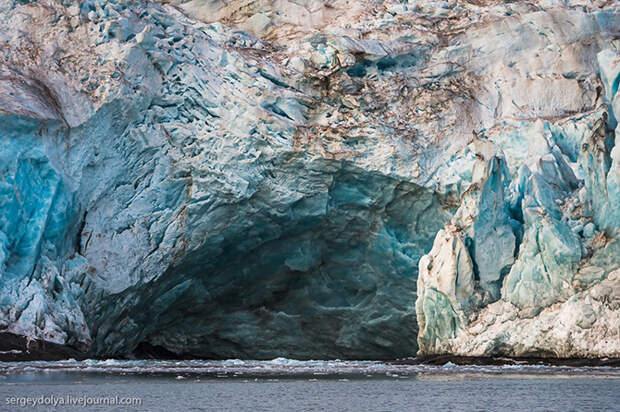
17	348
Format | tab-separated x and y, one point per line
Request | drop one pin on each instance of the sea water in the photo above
290	385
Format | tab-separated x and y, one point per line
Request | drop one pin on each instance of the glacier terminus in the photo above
309	179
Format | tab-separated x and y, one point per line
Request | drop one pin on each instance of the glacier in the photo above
310	180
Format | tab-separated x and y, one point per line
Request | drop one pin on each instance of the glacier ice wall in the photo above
560	274
284	180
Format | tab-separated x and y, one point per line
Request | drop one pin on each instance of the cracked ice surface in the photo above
264	181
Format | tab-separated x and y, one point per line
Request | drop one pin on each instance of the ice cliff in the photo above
311	179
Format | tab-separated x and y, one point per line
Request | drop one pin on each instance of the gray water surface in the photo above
289	385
